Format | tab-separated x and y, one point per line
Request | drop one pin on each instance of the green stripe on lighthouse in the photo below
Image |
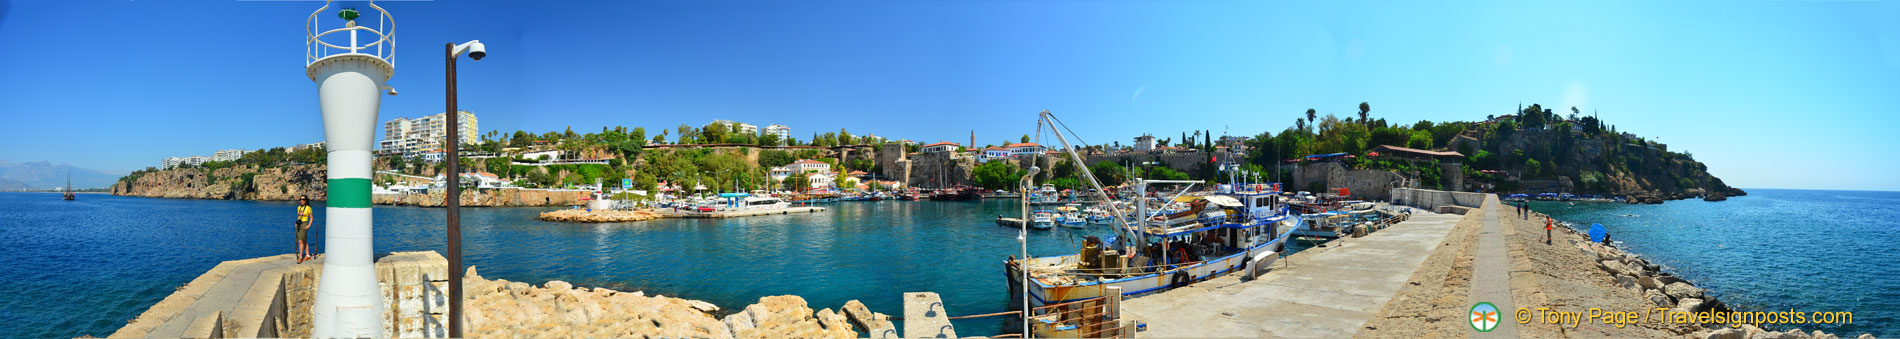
349	193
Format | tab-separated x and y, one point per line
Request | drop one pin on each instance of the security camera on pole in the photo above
351	78
453	202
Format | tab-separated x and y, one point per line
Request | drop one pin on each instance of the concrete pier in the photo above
1320	292
272	297
738	213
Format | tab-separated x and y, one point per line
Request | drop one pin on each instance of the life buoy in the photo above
1181	279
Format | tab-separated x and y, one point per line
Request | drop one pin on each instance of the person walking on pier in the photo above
303	228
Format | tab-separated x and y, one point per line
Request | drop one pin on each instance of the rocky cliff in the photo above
1566	159
229	183
290	182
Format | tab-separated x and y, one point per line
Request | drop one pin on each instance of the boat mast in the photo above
1124	230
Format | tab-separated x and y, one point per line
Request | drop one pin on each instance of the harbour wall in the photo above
1360	184
487	197
1436	200
1196	164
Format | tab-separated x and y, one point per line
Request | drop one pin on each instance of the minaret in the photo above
351	76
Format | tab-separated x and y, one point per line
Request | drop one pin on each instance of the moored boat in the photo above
1239	227
1042	220
958	194
1217	235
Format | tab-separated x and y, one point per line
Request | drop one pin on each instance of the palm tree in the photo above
1365	111
1299	123
1311	114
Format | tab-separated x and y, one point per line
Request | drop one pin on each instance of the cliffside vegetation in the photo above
1534	150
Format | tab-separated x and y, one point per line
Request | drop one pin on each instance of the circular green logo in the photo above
1484	317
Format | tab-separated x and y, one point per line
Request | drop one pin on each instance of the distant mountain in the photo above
45	174
7	185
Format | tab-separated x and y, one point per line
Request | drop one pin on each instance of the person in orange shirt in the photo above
1549	224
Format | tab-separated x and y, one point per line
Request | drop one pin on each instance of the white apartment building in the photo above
195	160
412	137
227	155
739	127
780	130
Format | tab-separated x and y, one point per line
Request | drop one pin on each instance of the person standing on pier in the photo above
1549	224
303	228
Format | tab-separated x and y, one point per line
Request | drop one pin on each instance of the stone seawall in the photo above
1194	164
1433	199
489	197
1360	184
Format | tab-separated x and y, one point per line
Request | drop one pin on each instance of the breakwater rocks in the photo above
1665	290
573	215
505	309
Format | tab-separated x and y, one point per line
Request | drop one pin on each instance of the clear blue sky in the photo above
1768	93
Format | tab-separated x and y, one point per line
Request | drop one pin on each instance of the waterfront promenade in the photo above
1320	292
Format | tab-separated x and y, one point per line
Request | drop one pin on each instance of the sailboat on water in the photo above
69	187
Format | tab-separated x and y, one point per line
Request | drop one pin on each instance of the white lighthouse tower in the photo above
352	71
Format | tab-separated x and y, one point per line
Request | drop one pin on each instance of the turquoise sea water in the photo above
1773	250
85	267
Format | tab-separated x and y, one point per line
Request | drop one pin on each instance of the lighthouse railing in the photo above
316	48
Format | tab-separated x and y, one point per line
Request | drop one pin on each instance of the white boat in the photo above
1047	195
765	203
1042	220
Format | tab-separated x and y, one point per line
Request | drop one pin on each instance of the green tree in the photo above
1392	136
1534	116
1365	112
1164	173
996	175
1025	138
1108	173
796	182
1420	140
775	158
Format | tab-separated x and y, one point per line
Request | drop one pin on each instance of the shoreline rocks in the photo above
574	215
505	309
1678	295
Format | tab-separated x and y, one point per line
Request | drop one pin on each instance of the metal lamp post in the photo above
453	200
